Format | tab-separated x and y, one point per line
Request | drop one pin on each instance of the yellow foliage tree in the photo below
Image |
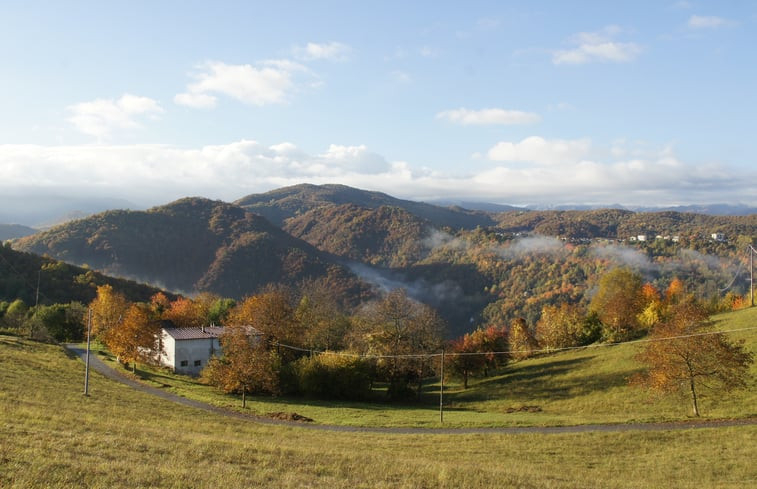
108	310
521	341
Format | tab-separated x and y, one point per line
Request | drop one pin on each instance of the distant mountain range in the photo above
40	211
11	231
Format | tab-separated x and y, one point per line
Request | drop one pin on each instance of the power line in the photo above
508	352
25	279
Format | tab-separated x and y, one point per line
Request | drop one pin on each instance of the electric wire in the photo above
508	352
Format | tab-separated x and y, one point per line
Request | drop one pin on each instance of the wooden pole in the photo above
441	393
752	251
86	363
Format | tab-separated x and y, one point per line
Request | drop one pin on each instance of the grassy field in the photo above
577	387
51	436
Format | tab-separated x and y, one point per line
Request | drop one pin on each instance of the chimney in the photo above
203	328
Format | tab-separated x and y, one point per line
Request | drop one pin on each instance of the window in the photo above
198	363
184	363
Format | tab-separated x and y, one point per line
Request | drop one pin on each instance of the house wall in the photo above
191	356
169	350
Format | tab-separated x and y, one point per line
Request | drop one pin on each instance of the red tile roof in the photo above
194	333
201	333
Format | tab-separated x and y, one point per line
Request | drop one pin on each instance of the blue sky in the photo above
525	102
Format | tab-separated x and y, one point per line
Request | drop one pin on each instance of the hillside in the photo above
623	224
284	203
189	245
58	282
384	236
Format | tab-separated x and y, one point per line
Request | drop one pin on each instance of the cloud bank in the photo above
531	171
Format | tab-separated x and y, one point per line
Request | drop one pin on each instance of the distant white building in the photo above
718	236
188	350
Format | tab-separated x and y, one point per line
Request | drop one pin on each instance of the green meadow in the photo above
584	386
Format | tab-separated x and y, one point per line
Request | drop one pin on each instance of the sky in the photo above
511	102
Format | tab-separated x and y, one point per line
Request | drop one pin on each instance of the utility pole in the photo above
39	277
752	251
441	393
86	363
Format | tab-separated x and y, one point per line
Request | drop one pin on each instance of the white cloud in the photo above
597	47
563	173
488	116
100	117
706	22
541	151
195	100
270	82
332	51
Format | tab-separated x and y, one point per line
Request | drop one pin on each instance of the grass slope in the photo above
586	386
51	436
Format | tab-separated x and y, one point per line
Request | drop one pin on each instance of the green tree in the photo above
323	322
62	322
618	303
683	358
15	315
394	326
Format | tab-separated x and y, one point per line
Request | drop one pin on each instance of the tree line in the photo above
304	342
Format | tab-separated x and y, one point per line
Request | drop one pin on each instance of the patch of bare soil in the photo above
289	417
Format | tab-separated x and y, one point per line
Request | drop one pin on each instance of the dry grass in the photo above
51	436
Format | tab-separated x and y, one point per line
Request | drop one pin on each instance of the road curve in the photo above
98	365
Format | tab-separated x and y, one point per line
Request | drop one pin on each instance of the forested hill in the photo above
471	271
281	204
623	224
21	273
384	236
189	245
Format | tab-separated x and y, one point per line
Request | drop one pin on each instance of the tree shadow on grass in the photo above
545	381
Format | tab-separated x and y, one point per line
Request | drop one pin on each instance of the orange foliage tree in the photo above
246	366
682	358
477	352
137	337
187	313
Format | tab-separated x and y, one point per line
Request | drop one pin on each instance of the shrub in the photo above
330	376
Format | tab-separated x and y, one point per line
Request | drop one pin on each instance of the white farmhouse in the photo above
188	350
